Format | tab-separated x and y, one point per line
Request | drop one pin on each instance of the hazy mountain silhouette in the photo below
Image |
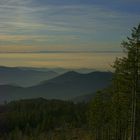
23	77
65	86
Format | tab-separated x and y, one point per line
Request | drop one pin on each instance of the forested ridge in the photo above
41	119
112	114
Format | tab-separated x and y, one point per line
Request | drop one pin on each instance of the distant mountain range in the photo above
58	70
24	77
66	86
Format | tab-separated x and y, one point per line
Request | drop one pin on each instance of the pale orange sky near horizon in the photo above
98	61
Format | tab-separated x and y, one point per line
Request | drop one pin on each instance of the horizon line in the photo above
62	52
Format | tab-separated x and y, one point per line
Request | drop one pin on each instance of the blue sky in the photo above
66	25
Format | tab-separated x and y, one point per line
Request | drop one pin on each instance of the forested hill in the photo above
41	119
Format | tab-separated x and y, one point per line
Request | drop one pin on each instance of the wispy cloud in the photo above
76	23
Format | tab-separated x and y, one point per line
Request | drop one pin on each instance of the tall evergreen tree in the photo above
127	75
124	102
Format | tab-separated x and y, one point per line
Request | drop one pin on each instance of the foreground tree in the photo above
124	103
127	75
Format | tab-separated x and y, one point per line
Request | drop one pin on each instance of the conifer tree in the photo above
127	75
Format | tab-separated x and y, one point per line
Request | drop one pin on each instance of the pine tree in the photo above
124	98
127	74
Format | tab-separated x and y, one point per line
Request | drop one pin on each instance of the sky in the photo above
65	25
